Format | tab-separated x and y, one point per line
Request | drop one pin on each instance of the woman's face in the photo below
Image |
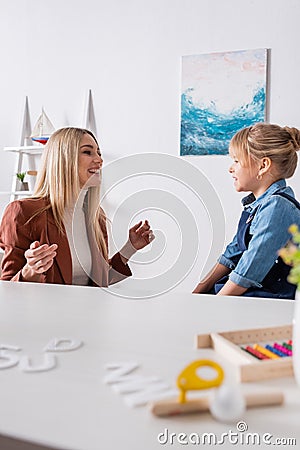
89	162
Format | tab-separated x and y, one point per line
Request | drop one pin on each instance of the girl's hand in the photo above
141	235
201	288
39	260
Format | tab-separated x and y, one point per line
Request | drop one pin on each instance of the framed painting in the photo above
221	93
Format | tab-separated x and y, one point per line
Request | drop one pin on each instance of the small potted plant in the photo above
21	185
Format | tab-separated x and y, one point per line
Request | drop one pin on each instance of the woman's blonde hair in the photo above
280	144
58	180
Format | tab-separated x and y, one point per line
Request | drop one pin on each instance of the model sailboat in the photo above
42	129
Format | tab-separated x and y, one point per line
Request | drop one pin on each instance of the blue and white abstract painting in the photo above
221	93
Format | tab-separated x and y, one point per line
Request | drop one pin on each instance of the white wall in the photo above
129	54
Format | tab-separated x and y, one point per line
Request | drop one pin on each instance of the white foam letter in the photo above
7	360
49	363
119	370
62	345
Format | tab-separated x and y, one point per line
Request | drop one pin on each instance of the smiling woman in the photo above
59	234
89	161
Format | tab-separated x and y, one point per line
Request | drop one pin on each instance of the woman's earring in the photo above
259	177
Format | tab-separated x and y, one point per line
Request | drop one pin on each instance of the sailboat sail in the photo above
42	129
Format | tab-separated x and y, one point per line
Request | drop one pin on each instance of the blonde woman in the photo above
263	156
59	235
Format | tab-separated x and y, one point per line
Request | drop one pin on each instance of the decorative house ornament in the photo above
42	129
26	127
89	115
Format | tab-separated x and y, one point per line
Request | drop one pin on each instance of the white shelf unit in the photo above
31	151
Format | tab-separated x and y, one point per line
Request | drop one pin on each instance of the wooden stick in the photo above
254	399
268	398
173	408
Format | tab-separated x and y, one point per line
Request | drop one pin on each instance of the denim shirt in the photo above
269	229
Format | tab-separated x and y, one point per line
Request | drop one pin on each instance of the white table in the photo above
70	407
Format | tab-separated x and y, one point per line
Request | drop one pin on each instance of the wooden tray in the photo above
250	368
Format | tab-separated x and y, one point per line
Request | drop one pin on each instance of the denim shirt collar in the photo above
251	202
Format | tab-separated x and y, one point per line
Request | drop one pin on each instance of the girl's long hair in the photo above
58	181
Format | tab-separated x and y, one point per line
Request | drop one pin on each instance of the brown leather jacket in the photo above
16	235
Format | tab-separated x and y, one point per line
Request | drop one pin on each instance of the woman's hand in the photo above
39	260
141	235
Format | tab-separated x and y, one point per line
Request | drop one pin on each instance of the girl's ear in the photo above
264	165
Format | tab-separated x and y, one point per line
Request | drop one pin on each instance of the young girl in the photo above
263	155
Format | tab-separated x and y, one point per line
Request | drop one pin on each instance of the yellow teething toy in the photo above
188	380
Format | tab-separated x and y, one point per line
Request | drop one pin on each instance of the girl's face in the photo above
89	162
244	175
